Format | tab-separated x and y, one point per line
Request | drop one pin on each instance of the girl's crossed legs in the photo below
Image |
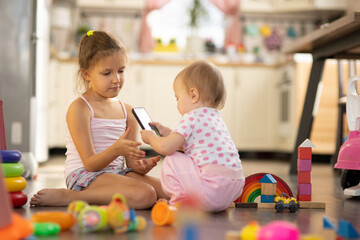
140	191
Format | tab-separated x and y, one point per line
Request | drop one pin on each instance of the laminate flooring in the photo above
325	188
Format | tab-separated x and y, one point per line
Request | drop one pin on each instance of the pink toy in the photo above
349	154
279	230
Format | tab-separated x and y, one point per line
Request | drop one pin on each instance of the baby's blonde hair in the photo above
93	47
207	78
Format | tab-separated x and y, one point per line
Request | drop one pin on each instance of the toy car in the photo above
285	201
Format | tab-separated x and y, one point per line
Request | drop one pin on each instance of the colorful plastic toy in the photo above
279	230
15	184
12	169
117	215
18	199
163	214
63	219
46	229
10	156
349	154
250	231
285	201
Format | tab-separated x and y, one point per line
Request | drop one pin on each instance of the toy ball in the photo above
92	219
250	231
279	230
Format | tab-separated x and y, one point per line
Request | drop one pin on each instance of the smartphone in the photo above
144	119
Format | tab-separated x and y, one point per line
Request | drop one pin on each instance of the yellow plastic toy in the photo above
250	231
15	184
163	214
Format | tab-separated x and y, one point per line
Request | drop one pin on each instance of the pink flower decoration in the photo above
191	119
201	141
203	151
205	124
201	115
205	110
208	134
219	149
206	158
214	162
221	154
210	145
192	126
199	131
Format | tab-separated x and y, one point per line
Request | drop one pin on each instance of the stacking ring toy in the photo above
18	199
15	184
12	169
10	156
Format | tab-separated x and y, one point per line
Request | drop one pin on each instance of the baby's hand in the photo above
164	131
146	135
143	166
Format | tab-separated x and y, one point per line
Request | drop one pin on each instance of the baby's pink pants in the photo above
214	186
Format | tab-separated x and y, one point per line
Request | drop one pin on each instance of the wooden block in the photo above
303	165
232	205
304	153
304	177
313	205
246	205
232	235
304	189
266	205
328	234
268	189
267	198
303	197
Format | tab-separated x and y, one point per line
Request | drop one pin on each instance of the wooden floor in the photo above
325	188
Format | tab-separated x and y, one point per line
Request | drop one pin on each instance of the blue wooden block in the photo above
267	198
10	156
347	230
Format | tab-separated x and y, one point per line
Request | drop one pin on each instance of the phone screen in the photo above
144	119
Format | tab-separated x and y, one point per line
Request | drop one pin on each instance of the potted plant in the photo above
197	12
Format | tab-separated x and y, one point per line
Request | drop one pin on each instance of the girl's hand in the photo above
143	166
146	135
164	131
128	148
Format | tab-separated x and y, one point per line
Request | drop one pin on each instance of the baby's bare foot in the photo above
51	197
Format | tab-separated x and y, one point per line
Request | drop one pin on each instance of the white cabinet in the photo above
254	108
257	6
111	4
251	110
61	93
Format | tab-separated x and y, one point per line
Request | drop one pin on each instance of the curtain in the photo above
233	31
146	42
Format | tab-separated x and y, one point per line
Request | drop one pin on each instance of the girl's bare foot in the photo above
51	197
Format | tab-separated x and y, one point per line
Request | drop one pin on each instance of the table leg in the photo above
307	117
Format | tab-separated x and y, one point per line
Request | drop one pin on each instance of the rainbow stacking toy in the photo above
11	168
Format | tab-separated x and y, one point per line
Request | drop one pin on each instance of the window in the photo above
172	22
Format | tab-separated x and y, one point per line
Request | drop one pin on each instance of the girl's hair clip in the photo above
89	33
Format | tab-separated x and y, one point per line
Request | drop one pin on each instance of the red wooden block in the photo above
303	198
304	177
304	165
304	153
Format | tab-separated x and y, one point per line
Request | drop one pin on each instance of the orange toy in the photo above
64	219
163	214
20	228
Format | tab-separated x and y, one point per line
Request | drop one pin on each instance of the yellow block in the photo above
15	184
